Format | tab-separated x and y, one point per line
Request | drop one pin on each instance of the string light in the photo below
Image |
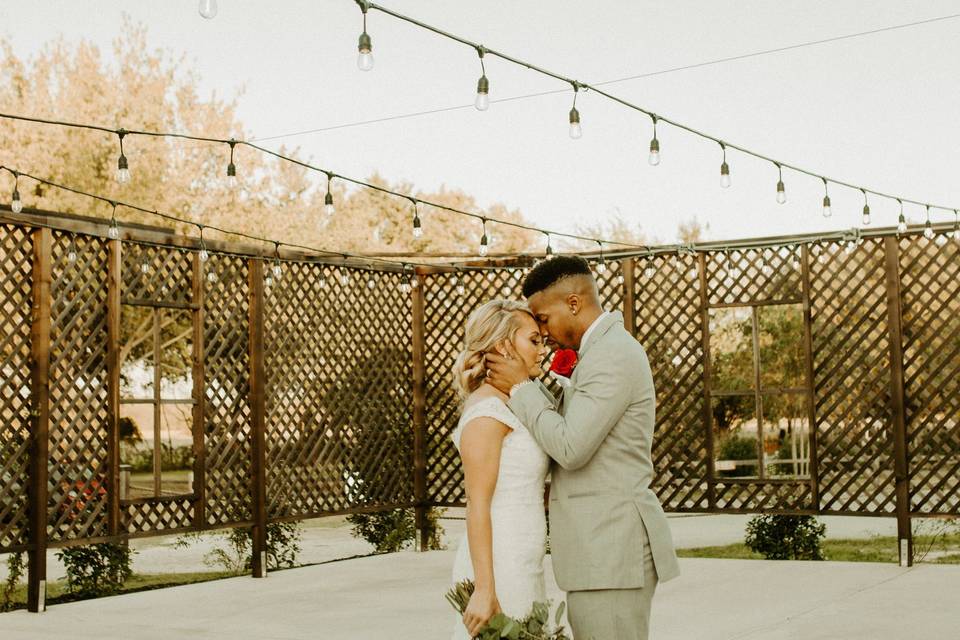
328	198
277	269
371	281
781	190
484	246
365	46
928	227
344	277
575	130
482	103
123	167
145	266
826	200
417	229
414	279
902	220
654	158
651	269
232	168
16	204
766	267
549	250
72	253
208	9
724	168
114	230
204	254
602	265
866	208
406	285
322	280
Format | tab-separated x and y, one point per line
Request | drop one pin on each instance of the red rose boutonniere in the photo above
564	361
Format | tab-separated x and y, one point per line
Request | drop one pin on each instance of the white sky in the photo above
880	110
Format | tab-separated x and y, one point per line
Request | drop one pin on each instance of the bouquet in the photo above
533	627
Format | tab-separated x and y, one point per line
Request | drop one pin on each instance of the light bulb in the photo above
620	278
941	240
371	283
204	255
928	230
72	255
144	267
123	170
482	103
208	9
322	281
781	192
211	276
826	207
866	214
344	278
650	271
328	204
601	267
268	281
575	130
113	231
16	204
277	270
414	282
365	47
724	175
484	248
232	175
956	233
902	224
654	158
851	247
417	229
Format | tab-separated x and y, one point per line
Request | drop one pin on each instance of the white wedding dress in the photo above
517	517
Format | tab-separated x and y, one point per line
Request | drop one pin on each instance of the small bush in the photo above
779	537
236	555
738	448
96	569
393	530
15	569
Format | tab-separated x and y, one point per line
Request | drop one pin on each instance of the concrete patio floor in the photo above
401	596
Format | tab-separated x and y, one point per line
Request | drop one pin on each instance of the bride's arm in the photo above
480	446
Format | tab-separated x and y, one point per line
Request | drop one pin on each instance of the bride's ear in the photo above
501	348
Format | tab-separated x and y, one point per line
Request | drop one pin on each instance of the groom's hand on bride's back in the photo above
505	371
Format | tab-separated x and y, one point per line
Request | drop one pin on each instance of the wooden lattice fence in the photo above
325	388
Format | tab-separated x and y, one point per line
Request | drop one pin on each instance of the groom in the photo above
609	538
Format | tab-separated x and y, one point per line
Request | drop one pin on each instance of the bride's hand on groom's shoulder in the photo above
505	371
483	605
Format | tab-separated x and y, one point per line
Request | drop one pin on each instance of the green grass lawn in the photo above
945	550
57	589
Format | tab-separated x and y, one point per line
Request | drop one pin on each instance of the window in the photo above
759	392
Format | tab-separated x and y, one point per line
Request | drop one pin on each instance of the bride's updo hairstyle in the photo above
490	324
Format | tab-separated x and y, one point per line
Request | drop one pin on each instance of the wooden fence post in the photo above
627	268
113	386
420	413
40	418
199	396
901	465
258	413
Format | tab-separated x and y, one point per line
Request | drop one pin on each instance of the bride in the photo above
504	469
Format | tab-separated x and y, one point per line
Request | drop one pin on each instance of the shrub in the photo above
96	569
780	537
236	555
393	530
15	569
738	448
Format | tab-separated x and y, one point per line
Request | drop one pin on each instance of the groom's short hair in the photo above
549	272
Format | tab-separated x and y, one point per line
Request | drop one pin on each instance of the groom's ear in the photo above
574	303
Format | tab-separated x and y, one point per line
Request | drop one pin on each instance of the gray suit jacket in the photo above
600	442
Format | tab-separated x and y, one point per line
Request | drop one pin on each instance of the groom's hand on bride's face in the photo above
505	371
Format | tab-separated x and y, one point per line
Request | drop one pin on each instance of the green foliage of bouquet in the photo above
532	627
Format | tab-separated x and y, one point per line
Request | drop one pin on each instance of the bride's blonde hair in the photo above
491	323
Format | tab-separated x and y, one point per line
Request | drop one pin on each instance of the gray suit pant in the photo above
614	614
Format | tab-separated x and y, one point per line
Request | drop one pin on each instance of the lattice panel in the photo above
339	390
851	361
754	275
157	516
446	315
160	274
669	328
227	419
16	275
768	497
78	389
930	311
